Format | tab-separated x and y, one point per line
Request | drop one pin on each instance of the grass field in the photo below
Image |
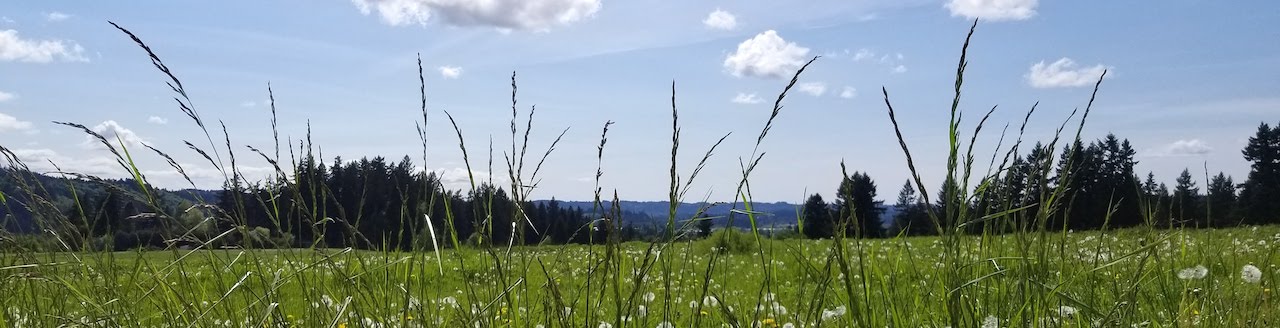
1143	278
1039	276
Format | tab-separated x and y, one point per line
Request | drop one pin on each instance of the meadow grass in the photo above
1036	276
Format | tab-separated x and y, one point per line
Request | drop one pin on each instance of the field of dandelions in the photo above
1032	277
1218	278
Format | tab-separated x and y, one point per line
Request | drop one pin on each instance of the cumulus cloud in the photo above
112	131
5	96
1062	74
10	123
450	72
14	48
157	120
993	10
56	16
747	98
720	20
539	15
766	55
813	88
849	93
99	166
900	69
1193	147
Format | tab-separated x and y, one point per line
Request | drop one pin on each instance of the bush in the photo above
730	240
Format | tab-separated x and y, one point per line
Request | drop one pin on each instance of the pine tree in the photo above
911	218
817	218
857	206
1186	201
1222	199
1260	197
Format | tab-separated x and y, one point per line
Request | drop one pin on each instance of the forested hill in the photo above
16	216
656	212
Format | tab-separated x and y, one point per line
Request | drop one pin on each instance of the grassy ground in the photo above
1121	278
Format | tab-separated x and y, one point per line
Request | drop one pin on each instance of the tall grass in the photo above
1031	275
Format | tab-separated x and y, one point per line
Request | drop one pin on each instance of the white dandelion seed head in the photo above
1198	272
991	322
1251	274
1066	311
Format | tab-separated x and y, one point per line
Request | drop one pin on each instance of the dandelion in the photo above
991	322
1250	274
788	325
711	301
1066	311
648	297
1198	272
604	325
665	324
833	313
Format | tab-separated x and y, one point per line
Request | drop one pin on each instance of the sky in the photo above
1187	83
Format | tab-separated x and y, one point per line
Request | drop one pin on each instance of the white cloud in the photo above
56	16
450	72
849	93
5	96
747	98
721	20
14	48
767	56
1062	73
6	20
249	104
993	10
900	69
10	123
111	131
863	54
539	15
813	88
1193	147
99	166
157	120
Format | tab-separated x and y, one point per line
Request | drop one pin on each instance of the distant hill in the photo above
656	212
15	217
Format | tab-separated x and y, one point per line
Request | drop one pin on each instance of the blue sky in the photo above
1189	81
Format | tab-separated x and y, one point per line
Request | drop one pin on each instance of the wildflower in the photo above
991	322
648	297
1251	274
665	324
1198	272
710	301
642	311
788	325
833	313
1066	311
604	325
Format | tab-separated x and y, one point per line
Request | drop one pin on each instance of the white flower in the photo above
665	324
833	313
648	297
991	322
642	311
604	325
1066	311
710	301
1250	274
789	325
1197	272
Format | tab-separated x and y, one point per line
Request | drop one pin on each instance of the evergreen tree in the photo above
1260	197
911	218
1186	201
817	218
858	208
1222	199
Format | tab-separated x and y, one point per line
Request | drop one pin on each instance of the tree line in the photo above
1098	188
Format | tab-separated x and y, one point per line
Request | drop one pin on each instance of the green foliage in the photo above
731	241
